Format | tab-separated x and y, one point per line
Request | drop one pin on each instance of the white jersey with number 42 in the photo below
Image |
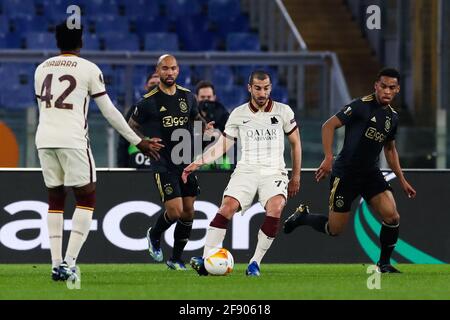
63	87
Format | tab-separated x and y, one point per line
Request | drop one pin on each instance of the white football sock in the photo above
264	243
55	223
214	237
81	223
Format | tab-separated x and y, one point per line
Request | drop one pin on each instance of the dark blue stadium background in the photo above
136	25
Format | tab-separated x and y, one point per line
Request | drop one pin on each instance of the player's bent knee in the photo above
274	209
275	212
84	190
56	199
229	207
174	212
227	211
175	216
337	222
392	219
390	215
334	231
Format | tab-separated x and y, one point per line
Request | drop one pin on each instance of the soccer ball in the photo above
219	262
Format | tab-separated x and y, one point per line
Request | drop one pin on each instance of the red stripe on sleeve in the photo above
98	94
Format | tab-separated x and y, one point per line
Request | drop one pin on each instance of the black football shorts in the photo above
170	185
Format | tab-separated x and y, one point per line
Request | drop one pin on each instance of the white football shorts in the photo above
244	185
68	167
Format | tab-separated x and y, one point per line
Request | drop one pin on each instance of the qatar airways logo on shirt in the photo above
262	134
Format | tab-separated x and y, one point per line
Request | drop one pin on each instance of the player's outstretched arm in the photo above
392	158
328	129
211	154
117	121
296	156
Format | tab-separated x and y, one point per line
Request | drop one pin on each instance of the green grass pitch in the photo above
278	282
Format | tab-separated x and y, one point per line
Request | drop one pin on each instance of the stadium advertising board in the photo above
128	203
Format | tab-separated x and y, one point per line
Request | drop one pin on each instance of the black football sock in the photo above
181	237
388	240
317	221
162	224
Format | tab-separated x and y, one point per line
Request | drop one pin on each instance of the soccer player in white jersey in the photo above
261	125
64	85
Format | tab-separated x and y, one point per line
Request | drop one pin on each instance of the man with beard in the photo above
261	125
166	108
370	125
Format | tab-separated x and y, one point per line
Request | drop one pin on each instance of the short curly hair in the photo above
389	72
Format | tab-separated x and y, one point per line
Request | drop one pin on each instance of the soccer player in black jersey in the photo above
370	125
166	108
